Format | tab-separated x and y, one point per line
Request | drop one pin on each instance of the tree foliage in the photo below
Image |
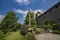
24	30
1	35
9	21
32	18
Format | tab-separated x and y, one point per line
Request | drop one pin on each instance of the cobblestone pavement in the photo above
47	36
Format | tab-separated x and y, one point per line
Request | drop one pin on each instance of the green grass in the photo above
15	36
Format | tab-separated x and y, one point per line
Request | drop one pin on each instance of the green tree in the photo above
23	30
32	18
8	23
17	26
1	35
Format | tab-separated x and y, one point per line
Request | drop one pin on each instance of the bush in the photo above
23	30
15	36
34	28
56	32
56	27
27	26
30	36
37	31
7	34
48	26
1	35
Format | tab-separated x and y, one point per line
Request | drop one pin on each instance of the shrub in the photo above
34	28
28	26
30	36
37	31
23	30
48	26
8	30
56	27
1	35
56	32
7	34
15	36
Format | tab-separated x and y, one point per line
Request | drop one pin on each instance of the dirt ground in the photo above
47	36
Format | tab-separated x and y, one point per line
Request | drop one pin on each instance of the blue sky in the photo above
21	7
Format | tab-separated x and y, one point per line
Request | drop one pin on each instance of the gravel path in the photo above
47	36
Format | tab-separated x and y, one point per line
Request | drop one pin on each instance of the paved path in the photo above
47	36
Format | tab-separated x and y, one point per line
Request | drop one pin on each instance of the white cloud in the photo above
26	2
23	2
38	10
20	11
1	17
24	12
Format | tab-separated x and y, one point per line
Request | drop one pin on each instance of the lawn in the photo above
15	36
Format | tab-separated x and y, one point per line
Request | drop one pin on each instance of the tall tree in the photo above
32	18
8	23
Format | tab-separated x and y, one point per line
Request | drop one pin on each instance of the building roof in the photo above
39	12
56	5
